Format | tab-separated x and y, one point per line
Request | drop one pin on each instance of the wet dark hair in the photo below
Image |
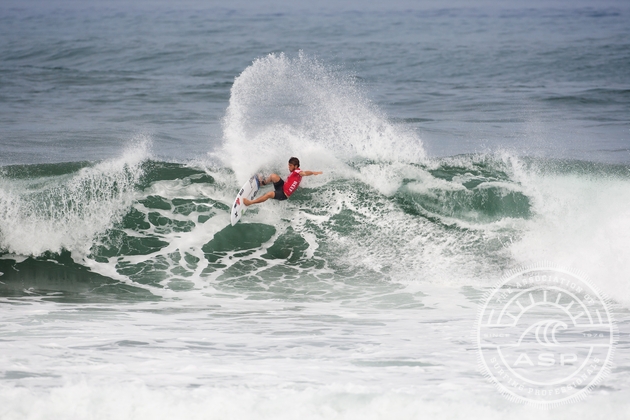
295	162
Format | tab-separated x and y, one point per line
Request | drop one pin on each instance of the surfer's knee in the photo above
274	177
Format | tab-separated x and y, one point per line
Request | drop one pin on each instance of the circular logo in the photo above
545	336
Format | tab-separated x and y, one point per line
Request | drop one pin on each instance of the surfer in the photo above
282	189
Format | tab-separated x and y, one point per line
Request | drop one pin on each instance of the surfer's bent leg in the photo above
260	199
277	194
272	178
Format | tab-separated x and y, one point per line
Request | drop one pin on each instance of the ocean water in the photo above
458	141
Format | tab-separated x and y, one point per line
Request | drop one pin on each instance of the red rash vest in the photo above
292	182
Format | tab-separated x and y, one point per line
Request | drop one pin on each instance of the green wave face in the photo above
165	227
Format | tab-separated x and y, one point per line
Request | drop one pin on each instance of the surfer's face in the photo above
292	167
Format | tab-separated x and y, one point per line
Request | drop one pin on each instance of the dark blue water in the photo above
78	81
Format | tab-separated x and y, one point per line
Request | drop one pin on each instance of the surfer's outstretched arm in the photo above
309	173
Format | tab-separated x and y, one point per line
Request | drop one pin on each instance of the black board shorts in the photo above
279	192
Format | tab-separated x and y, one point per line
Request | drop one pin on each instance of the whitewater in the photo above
125	292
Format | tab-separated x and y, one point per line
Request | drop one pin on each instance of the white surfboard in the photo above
249	191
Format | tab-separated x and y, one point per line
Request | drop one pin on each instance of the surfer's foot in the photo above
262	180
246	201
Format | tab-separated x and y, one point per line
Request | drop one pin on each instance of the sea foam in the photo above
281	107
69	211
